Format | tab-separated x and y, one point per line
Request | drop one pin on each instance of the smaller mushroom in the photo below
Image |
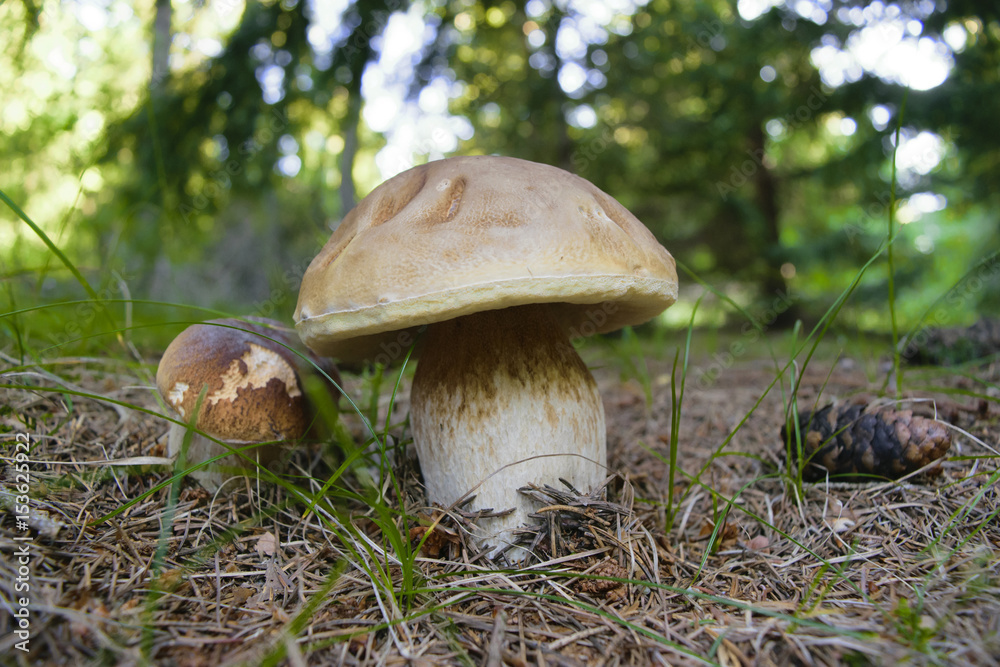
254	392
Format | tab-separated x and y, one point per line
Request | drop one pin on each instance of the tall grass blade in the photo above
891	267
676	403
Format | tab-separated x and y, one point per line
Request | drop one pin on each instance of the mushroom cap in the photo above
253	392
468	234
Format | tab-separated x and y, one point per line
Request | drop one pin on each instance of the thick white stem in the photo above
501	399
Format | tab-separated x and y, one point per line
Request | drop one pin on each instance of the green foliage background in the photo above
138	138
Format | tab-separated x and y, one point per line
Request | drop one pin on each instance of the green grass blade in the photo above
890	264
58	253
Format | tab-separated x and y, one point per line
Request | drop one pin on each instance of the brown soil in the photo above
741	569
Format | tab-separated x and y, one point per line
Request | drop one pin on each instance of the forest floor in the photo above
745	567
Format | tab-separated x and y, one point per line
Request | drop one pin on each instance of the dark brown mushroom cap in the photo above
469	234
254	390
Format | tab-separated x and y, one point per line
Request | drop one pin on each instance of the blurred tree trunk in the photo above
766	189
555	100
369	19
162	36
160	71
350	135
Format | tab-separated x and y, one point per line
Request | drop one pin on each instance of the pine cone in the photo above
612	590
854	445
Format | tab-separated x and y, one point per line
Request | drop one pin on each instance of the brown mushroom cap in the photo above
468	234
253	388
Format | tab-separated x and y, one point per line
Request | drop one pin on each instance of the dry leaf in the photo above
241	595
267	544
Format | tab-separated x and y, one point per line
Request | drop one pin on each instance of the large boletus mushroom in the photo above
506	261
254	392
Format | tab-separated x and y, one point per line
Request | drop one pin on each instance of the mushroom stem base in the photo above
501	400
214	475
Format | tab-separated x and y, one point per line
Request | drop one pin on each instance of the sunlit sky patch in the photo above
753	9
95	15
885	44
917	155
424	126
880	115
411	127
582	116
892	47
914	208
